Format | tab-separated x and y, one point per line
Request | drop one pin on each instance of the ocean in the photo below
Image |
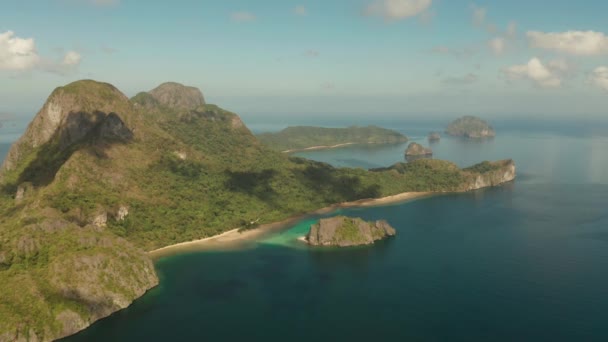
527	261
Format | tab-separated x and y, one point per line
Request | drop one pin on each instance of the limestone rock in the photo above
345	231
175	95
122	213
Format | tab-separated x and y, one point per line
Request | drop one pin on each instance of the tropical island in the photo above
98	180
298	138
434	137
470	127
344	231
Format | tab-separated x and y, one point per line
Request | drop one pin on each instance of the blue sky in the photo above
408	57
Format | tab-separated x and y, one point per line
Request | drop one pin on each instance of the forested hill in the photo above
302	137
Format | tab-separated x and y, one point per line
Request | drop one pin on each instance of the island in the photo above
434	137
98	180
344	231
470	127
417	150
299	138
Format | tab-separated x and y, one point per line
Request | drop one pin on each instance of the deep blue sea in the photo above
527	261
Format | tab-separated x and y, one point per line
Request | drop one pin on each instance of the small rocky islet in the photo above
341	231
434	137
470	127
416	150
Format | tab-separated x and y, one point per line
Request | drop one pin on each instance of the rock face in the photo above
496	173
470	127
415	149
434	137
175	95
79	110
345	231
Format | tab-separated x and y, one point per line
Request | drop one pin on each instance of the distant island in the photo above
298	138
98	180
417	150
344	231
470	127
434	136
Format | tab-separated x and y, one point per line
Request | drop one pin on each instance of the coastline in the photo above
235	238
328	147
315	148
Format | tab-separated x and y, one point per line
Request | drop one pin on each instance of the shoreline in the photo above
315	148
235	238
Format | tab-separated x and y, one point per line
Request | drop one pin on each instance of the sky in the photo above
420	58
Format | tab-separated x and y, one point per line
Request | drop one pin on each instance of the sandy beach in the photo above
237	239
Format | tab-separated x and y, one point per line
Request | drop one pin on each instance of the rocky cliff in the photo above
345	231
488	174
70	114
175	95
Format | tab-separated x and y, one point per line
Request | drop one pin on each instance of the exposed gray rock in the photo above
122	213
506	172
345	231
175	95
100	220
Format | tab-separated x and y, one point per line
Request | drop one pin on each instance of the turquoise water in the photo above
527	261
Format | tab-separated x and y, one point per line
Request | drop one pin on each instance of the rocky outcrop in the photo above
470	127
175	95
345	231
434	137
71	113
495	173
415	149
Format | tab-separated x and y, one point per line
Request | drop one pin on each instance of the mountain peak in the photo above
176	95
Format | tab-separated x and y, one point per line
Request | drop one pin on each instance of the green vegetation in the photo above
349	231
183	174
470	127
301	137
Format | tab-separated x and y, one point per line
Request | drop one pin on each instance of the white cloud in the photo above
497	45
17	54
580	43
599	77
20	55
398	9
71	58
545	76
300	10
242	17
